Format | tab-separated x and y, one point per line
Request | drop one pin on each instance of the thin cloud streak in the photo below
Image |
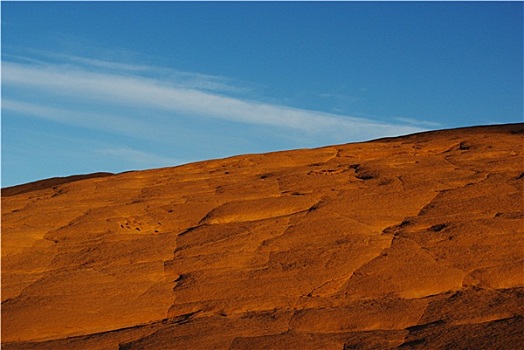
175	77
95	121
129	91
140	158
412	121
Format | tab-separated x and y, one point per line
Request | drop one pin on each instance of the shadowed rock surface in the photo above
413	242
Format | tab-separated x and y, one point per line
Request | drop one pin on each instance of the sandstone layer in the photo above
413	242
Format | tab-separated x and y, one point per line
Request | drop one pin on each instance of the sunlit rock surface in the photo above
413	242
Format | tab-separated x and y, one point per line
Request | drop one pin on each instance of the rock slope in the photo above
413	242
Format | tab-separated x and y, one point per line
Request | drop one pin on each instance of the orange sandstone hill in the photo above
413	242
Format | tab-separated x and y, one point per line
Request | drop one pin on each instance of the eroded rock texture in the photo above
412	243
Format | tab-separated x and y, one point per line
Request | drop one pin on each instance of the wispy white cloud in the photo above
417	122
91	120
97	63
137	157
174	76
197	96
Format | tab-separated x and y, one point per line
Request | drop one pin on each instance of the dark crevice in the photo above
438	227
464	146
424	326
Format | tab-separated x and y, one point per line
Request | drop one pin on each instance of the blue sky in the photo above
113	86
